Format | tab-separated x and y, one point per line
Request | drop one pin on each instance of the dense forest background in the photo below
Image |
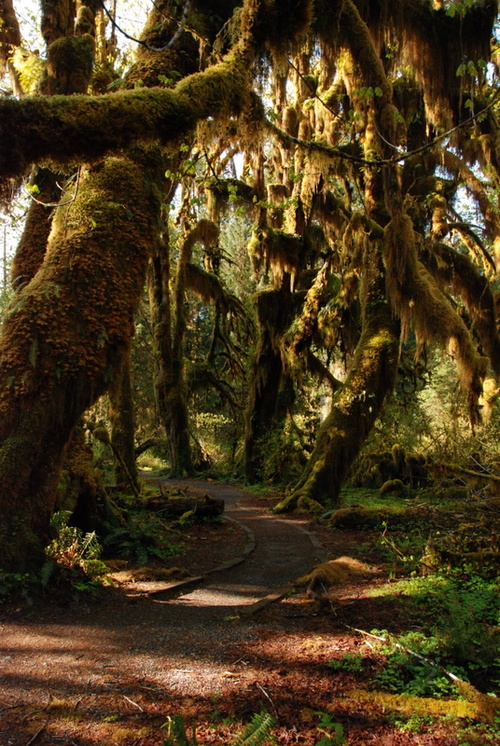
258	240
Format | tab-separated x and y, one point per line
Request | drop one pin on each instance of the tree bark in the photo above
62	339
271	388
168	338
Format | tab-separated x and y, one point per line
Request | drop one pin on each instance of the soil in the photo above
216	649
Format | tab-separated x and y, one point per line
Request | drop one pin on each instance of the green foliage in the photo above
333	731
141	539
75	554
477	734
403	673
255	733
177	733
73	548
15	585
285	448
410	724
458	7
459	616
350	663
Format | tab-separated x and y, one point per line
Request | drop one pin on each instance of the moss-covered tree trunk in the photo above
359	402
271	391
168	338
121	415
63	338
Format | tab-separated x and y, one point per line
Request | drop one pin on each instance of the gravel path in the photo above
183	645
278	551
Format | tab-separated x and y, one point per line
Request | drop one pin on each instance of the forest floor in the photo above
113	669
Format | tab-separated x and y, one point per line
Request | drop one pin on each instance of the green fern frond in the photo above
177	733
257	731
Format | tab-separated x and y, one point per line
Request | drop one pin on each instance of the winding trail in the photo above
98	657
278	551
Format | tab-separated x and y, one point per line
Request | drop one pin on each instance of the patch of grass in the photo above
370	498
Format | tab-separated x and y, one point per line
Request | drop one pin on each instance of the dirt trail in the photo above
276	553
126	649
112	672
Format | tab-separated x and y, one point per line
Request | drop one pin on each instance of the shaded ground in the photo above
113	670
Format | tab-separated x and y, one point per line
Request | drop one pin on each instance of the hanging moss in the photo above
459	272
419	302
357	404
281	25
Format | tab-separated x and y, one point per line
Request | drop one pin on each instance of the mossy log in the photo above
175	507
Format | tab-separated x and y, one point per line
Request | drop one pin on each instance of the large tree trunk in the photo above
271	389
62	340
169	379
359	402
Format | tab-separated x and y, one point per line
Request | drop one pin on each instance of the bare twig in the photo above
132	702
39	731
268	697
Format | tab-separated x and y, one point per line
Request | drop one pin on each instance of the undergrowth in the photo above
459	614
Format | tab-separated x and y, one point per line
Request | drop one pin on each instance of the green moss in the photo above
68	129
69	64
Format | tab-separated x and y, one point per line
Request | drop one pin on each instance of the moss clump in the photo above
69	65
411	705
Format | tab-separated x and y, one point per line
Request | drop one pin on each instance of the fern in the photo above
177	734
47	571
257	731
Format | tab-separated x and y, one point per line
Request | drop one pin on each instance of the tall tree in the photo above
380	112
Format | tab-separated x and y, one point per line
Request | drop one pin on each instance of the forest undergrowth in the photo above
405	652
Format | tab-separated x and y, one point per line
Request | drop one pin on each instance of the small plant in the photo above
177	733
350	663
414	723
71	549
479	734
333	732
141	539
255	733
15	585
